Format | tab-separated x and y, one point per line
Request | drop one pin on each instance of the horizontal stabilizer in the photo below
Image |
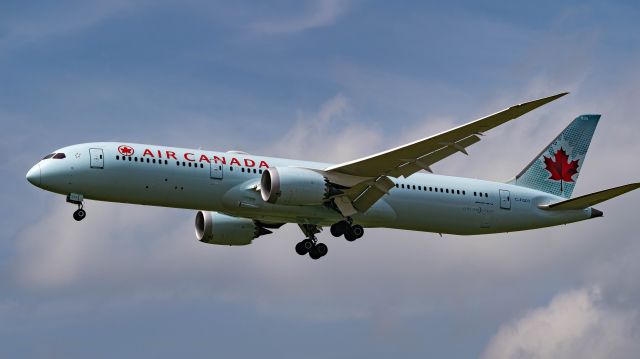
592	199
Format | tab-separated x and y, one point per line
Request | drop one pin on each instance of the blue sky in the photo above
325	80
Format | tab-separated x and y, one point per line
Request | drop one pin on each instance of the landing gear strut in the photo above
80	213
347	229
310	245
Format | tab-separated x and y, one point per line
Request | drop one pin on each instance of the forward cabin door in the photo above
505	199
216	170
96	157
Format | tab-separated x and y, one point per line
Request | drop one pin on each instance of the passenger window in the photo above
260	171
414	187
430	189
447	190
474	194
457	191
242	170
201	165
177	163
129	158
184	164
166	162
230	168
135	159
117	157
59	156
464	193
397	185
189	164
419	188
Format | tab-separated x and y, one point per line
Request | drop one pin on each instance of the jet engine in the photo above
295	186
217	228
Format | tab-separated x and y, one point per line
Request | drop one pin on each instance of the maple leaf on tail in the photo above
561	169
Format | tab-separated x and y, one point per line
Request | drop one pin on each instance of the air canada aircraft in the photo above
240	197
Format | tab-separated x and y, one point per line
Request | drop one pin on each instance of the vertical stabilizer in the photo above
556	169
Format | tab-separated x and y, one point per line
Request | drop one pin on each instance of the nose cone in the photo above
33	176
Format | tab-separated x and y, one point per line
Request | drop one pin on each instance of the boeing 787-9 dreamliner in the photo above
240	197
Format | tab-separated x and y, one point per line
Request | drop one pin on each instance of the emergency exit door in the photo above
505	199
96	156
216	170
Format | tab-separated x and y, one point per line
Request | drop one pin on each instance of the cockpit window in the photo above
59	156
48	156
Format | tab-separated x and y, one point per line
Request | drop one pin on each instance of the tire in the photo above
338	229
349	235
322	249
357	230
300	249
79	215
314	254
307	244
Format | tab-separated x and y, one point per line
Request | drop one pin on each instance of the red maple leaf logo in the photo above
561	169
125	150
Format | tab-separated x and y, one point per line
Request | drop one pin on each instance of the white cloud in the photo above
46	22
328	135
320	14
575	324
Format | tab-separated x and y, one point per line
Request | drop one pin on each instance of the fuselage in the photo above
228	182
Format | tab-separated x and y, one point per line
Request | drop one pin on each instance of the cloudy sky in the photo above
324	80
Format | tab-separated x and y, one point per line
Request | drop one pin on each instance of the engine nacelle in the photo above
293	186
217	228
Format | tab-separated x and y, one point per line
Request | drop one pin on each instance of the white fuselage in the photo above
228	182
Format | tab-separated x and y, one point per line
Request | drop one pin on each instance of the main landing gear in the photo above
347	229
310	245
80	213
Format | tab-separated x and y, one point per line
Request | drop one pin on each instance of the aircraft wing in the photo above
413	157
419	155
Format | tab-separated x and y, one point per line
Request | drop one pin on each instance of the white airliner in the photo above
240	197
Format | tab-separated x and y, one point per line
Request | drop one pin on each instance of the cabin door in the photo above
505	199
96	158
216	170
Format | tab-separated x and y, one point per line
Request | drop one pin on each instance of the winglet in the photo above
531	105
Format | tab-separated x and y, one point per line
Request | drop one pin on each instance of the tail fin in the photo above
555	170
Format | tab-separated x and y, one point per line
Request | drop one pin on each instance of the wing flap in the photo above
592	199
374	191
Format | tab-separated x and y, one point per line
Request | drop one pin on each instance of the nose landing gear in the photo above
80	213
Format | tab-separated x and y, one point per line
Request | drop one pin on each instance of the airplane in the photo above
240	197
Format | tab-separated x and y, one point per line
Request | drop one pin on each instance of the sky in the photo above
322	80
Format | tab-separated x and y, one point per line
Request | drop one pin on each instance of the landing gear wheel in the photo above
357	230
79	215
318	251
340	228
303	247
349	235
